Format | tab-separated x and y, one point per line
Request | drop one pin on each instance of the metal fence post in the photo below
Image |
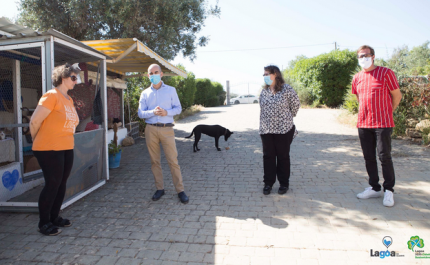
228	92
17	105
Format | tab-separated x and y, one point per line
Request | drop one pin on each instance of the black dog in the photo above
210	130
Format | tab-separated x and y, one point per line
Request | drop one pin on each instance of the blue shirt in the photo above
165	97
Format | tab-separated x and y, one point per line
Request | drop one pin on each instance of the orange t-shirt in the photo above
56	131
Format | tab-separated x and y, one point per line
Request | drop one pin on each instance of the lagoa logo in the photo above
387	241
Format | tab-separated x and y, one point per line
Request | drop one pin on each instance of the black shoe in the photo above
282	190
49	230
267	189
60	222
157	195
183	197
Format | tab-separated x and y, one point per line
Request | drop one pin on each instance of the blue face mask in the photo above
155	79
267	80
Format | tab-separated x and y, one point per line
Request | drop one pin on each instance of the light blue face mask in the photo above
155	79
267	80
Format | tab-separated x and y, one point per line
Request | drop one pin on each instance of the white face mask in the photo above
365	62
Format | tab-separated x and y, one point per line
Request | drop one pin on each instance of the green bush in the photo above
185	87
209	94
113	148
426	138
203	92
327	76
410	67
212	102
135	86
220	93
415	103
304	93
350	103
400	122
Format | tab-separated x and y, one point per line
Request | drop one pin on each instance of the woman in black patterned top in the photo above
279	103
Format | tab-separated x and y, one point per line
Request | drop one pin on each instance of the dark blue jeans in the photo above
378	141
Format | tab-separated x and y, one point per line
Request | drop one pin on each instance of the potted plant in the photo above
114	150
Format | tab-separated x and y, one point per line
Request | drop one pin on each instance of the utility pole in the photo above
248	88
335	46
228	92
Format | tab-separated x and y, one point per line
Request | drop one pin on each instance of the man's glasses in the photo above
74	78
366	55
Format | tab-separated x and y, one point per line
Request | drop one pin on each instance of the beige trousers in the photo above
166	136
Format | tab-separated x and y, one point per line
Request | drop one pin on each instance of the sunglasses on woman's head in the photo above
74	78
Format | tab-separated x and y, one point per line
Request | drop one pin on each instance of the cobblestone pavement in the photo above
228	219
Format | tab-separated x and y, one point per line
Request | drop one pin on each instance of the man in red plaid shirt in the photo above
378	94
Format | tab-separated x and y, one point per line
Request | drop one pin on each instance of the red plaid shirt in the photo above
375	102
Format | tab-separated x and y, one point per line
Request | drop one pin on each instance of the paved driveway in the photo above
228	219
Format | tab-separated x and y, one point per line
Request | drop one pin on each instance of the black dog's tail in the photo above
190	134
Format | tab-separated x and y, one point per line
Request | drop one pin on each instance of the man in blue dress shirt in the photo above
157	105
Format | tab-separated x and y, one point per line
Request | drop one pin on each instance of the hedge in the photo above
327	75
185	87
209	94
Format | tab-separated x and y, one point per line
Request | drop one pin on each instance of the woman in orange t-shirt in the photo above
52	127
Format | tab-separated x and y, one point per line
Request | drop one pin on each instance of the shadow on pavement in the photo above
226	206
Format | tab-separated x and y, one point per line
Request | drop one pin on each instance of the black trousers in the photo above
378	140
276	157
56	167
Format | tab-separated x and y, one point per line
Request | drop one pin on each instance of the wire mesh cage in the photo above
7	113
21	86
16	107
31	91
134	132
26	66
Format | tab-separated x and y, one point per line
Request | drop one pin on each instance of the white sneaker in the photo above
369	193
388	199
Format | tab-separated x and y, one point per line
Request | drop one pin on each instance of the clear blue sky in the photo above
252	24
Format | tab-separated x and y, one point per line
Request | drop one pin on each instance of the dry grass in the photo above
303	106
188	112
312	106
347	118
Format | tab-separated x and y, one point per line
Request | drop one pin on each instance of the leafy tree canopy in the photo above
233	95
292	63
405	62
419	56
166	26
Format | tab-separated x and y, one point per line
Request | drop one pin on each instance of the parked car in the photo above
244	99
